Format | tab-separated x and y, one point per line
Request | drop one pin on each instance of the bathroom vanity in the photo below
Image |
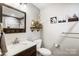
22	49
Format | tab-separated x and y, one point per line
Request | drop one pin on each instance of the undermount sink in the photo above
22	42
25	42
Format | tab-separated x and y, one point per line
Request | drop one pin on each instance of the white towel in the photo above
3	44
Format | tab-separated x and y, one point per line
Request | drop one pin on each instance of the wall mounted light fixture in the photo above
36	25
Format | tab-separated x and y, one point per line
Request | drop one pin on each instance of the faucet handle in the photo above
16	41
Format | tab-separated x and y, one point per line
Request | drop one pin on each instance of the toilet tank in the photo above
38	42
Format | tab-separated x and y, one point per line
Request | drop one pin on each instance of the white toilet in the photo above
42	51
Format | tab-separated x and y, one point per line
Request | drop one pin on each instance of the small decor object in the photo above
36	25
53	20
75	15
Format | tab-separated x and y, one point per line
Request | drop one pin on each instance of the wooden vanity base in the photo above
29	52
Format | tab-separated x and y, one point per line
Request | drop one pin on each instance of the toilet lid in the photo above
44	51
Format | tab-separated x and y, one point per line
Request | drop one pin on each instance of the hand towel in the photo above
3	44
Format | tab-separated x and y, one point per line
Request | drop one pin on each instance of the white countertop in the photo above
13	49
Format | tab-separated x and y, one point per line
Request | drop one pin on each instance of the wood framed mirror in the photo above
14	20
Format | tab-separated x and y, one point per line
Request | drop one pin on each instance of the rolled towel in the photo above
3	44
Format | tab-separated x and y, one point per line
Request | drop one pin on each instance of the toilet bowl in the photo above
42	51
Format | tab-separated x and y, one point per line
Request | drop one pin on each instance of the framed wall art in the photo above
53	20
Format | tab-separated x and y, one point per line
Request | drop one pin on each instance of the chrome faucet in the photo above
16	41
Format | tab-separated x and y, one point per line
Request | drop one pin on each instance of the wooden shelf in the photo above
72	19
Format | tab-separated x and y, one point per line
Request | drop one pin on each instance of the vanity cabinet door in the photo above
29	52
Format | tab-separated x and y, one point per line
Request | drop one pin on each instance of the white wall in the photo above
52	32
31	13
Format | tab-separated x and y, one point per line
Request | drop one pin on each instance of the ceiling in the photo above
42	5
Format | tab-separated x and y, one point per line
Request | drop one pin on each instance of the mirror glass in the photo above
12	18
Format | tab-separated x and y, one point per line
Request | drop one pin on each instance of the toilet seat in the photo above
44	51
